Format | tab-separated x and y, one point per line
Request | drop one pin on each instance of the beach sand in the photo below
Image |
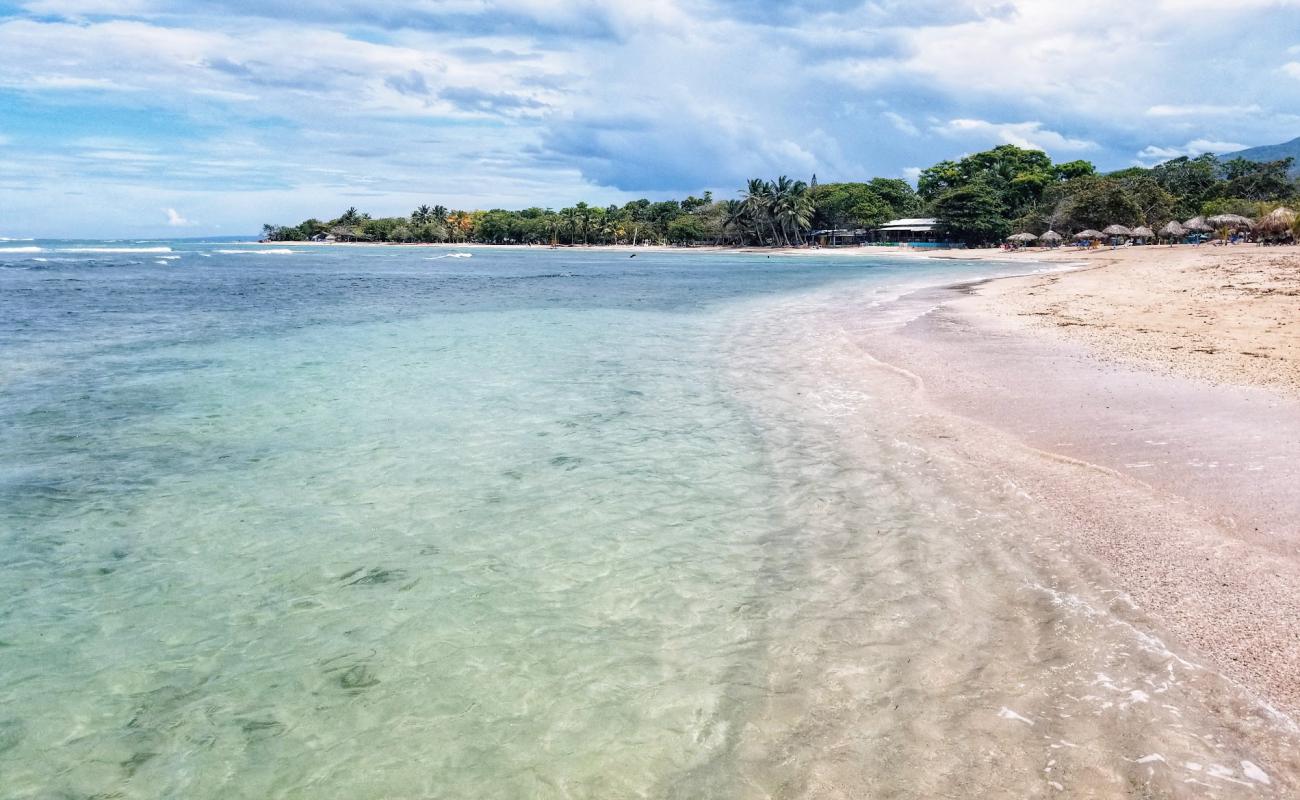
1224	314
1154	398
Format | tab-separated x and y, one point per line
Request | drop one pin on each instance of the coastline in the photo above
849	252
1093	630
1128	380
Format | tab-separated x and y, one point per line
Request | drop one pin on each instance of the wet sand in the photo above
1026	622
1148	407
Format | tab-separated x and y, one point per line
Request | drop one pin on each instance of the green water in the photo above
268	539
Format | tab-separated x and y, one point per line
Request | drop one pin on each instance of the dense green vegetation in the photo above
978	200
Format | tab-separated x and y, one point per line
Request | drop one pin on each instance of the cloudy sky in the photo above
193	117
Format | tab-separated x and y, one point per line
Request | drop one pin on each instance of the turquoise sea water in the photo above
376	523
381	523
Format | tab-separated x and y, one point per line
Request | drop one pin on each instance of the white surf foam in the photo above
4	250
114	249
283	251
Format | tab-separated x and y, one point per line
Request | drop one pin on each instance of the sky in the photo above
210	117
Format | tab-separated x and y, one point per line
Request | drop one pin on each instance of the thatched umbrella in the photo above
1143	232
1089	234
1197	225
1173	231
1117	230
1234	221
1051	237
1022	238
1277	224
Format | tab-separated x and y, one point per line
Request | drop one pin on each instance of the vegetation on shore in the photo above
978	200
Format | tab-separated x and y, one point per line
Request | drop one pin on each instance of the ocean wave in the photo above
282	251
4	250
114	249
13	239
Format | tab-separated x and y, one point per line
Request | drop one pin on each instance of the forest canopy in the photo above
978	200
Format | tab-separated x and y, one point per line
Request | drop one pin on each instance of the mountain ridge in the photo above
1271	152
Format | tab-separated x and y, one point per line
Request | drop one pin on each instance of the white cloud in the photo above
1193	148
1030	135
911	174
1292	69
297	68
175	220
1203	110
901	123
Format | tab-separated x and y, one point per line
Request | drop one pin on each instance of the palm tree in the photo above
735	217
583	213
759	200
421	215
350	217
570	217
793	207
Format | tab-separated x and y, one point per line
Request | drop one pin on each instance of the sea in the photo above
418	522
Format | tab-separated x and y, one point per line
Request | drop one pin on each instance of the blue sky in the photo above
186	118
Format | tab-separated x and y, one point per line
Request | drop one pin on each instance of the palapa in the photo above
1143	232
1051	236
1089	234
1230	221
1117	230
1173	230
1022	237
1197	225
1277	223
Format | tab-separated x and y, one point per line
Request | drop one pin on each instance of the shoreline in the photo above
852	252
1052	598
1196	456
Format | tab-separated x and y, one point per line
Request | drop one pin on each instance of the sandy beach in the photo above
1149	398
1223	314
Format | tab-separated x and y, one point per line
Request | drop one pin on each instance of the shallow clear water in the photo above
373	520
382	523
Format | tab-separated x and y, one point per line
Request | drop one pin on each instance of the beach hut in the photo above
1276	226
1232	221
1228	225
1051	238
1116	233
1142	233
1173	232
1089	236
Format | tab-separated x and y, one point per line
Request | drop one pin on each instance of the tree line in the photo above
978	200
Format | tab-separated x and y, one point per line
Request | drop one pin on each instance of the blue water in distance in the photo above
381	522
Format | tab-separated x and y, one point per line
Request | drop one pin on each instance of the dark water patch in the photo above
137	760
11	733
374	576
567	462
260	727
358	678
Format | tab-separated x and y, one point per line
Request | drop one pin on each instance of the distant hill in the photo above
1271	152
